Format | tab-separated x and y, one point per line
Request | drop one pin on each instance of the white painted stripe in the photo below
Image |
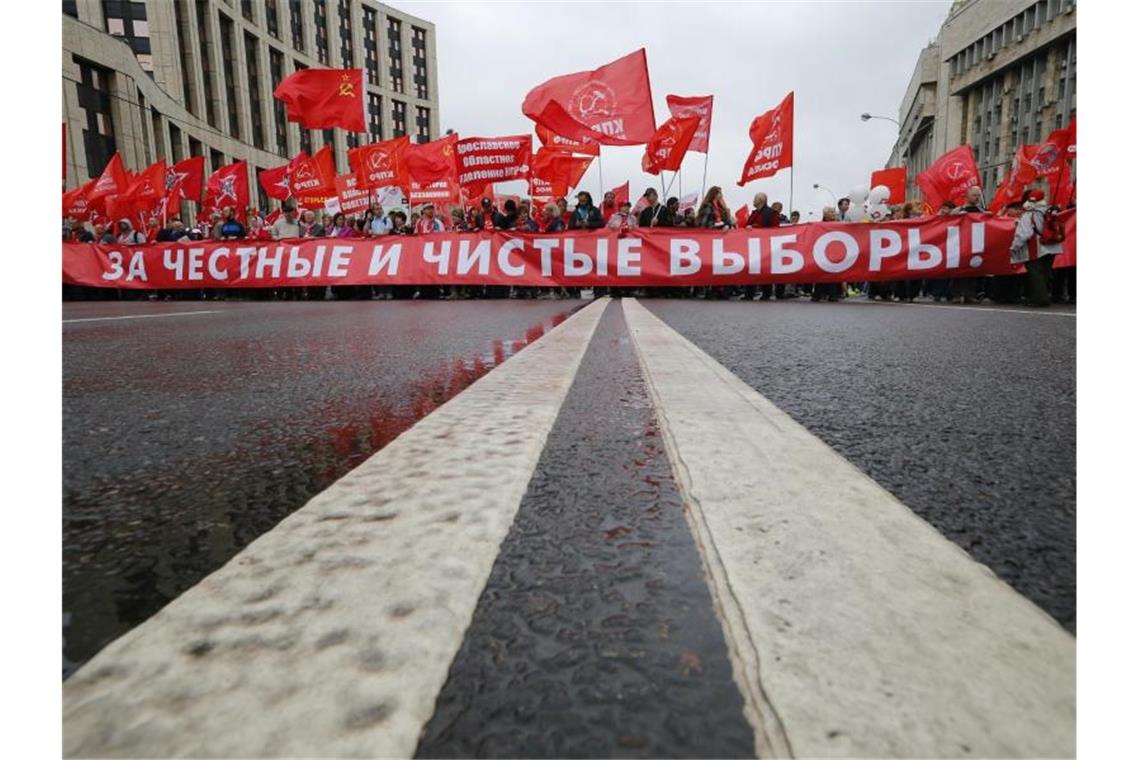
964	307
855	628
143	316
332	634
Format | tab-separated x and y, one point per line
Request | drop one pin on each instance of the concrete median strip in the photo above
331	634
855	628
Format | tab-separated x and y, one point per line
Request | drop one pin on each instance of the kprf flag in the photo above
324	98
228	186
275	182
184	181
380	164
313	175
771	135
588	147
432	162
75	201
147	186
666	149
612	105
352	198
700	106
445	192
486	160
894	179
112	181
562	170
948	178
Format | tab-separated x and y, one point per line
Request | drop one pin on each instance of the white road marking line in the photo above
332	634
855	628
143	316
963	307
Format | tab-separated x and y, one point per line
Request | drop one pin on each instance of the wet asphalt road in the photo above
595	635
968	416
186	437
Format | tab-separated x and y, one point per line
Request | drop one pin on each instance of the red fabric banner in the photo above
612	104
275	182
562	170
701	106
228	186
667	148
895	181
445	191
588	147
544	188
771	134
184	182
353	200
313	175
433	161
112	181
324	98
75	201
949	177
934	247
486	160
380	164
621	193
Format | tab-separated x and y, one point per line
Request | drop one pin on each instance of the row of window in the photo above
1009	33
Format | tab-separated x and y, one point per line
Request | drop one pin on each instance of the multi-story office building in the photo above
1002	73
169	79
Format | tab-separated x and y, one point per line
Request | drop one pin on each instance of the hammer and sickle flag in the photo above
324	98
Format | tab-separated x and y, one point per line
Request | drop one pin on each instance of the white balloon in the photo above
879	194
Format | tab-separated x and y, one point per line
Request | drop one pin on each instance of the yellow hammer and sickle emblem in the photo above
346	87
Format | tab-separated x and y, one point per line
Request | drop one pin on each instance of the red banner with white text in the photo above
944	246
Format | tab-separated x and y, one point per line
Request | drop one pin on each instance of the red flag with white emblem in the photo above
431	162
667	147
949	177
380	164
228	186
313	175
771	134
700	106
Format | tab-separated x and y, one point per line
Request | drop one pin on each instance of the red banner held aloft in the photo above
112	181
275	182
894	179
771	134
184	182
380	164
353	200
621	193
948	178
934	247
228	186
324	98
587	147
486	160
431	162
313	175
442	192
700	106
667	148
562	170
75	201
612	104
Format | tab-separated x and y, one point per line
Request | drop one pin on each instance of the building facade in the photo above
1002	73
171	79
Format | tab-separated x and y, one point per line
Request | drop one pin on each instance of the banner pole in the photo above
791	190
664	192
601	184
705	178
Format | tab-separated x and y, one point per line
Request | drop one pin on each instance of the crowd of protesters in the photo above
1039	286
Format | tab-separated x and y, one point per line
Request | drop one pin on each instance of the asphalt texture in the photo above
187	436
968	416
595	635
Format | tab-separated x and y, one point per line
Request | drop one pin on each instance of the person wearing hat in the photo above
286	225
1027	242
428	223
128	235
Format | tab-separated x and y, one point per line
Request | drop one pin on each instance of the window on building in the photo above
419	62
423	124
296	26
344	22
1039	14
185	56
254	72
280	128
70	8
371	54
307	141
176	153
229	72
327	135
321	19
93	92
375	117
395	56
207	67
156	128
247	9
1018	25
142	127
217	159
127	19
271	24
195	147
399	119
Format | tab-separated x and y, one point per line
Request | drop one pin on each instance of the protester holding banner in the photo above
428	223
1028	250
586	215
286	226
651	209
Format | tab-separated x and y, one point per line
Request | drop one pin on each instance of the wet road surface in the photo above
595	635
186	435
966	415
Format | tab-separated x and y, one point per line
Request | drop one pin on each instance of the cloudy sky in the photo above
841	58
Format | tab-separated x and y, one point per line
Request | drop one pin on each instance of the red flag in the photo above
184	179
112	181
313	175
380	164
1047	157
562	170
75	201
587	146
431	162
486	160
1062	191
895	181
700	106
324	98
666	149
621	193
275	182
741	217
444	191
544	188
147	186
771	134
612	105
228	186
353	198
1072	151
949	177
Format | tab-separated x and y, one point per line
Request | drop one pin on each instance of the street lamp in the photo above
818	186
868	117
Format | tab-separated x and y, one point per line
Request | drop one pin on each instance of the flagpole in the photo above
664	191
704	179
601	184
791	190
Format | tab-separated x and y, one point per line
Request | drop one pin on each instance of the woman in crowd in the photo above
552	218
458	223
713	213
586	215
257	228
622	219
340	228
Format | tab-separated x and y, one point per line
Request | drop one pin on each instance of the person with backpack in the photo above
1039	231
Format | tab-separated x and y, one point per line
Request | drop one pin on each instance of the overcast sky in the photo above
841	58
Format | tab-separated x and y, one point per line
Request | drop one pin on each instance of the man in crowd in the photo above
586	215
965	289
795	218
844	206
652	207
174	232
622	219
428	223
128	235
609	207
286	225
763	216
